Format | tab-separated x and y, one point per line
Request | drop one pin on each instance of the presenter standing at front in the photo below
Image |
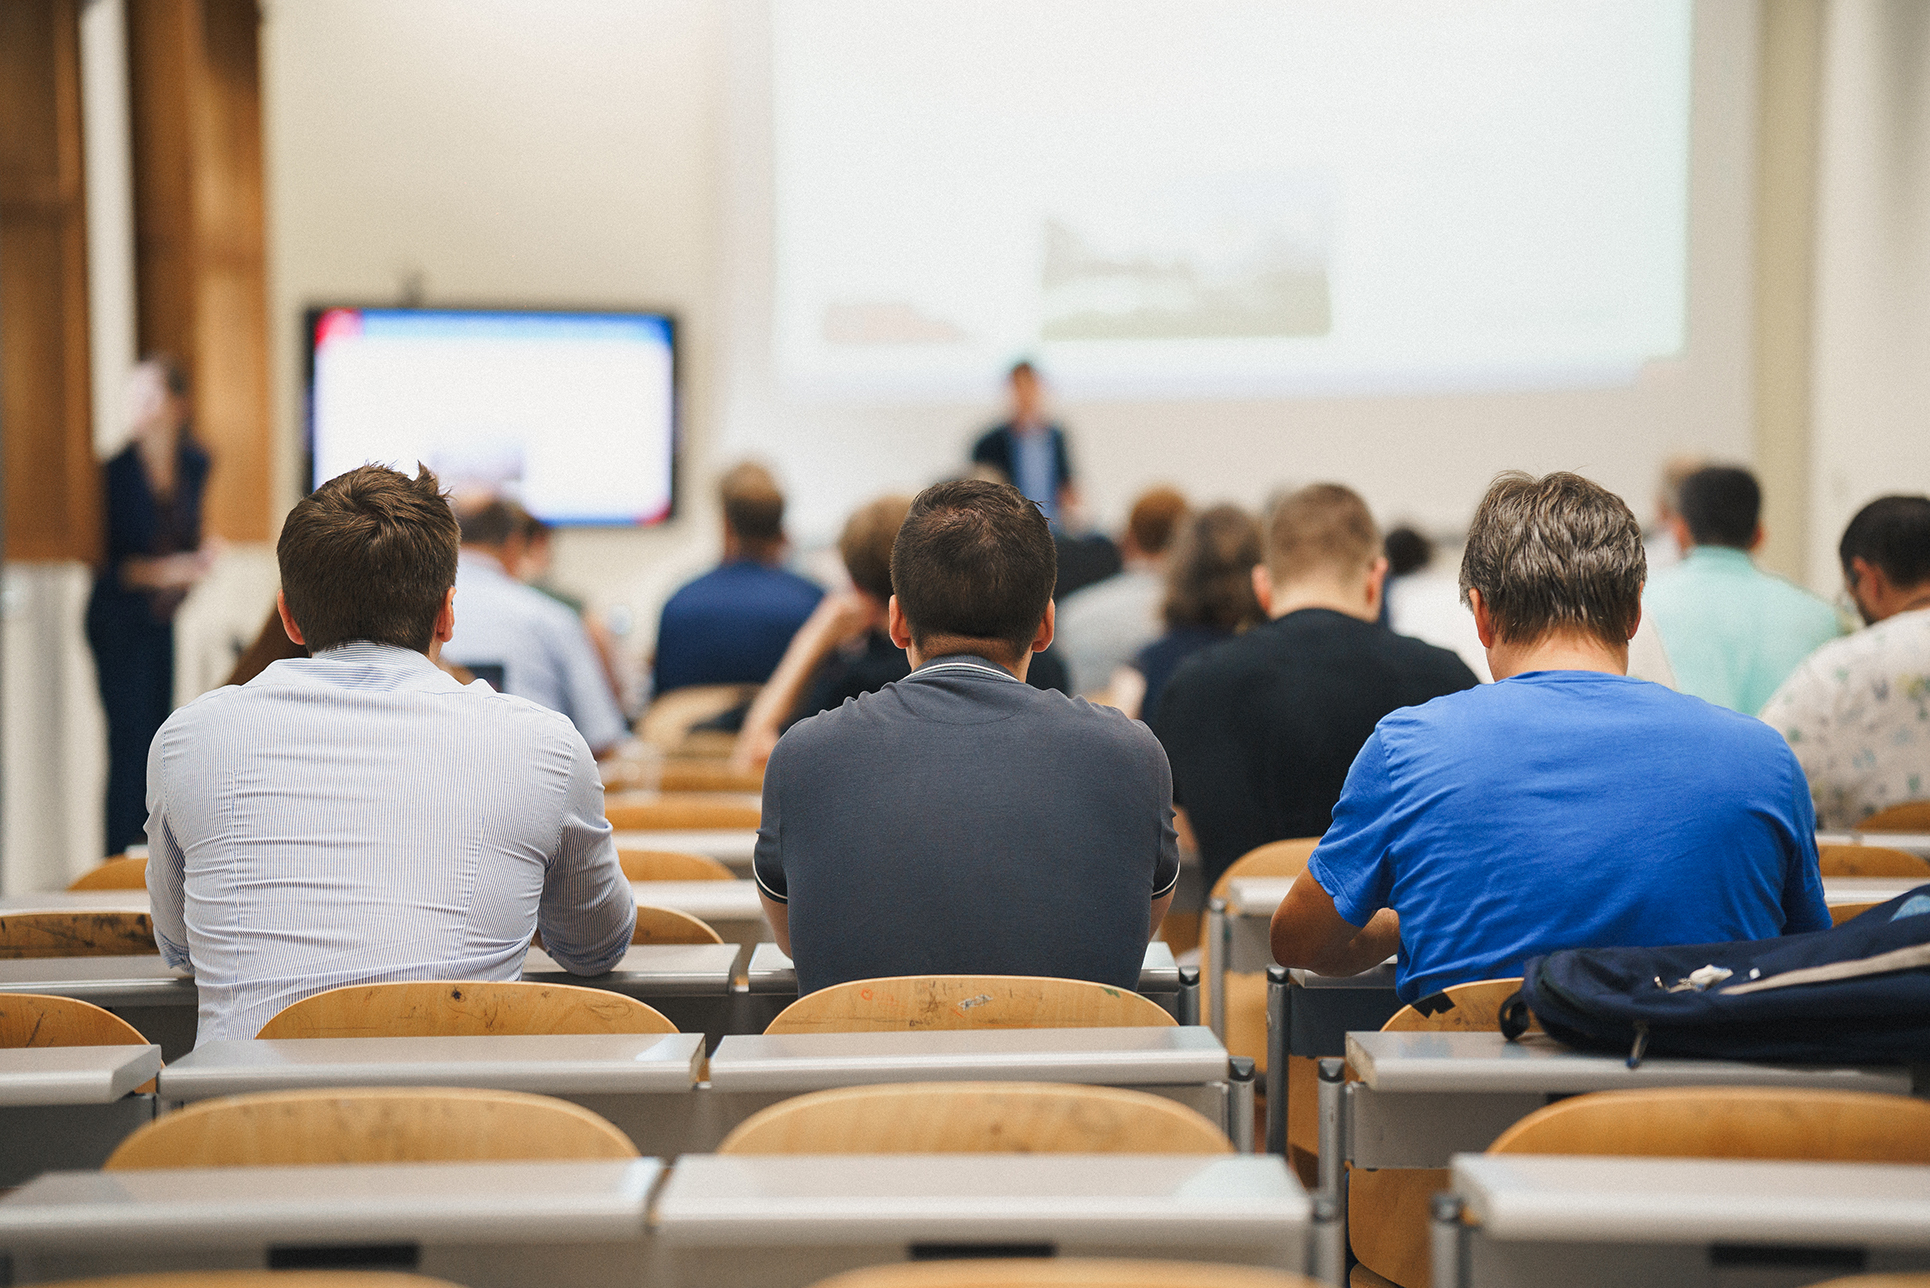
1028	451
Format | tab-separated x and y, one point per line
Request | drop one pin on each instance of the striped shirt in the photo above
359	817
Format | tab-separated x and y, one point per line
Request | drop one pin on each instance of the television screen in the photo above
571	414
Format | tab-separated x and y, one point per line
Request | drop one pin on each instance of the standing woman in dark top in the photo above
154	556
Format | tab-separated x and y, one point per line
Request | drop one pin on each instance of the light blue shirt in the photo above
1033	469
359	817
540	645
1733	632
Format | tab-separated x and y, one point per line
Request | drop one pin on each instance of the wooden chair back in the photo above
668	926
670	719
1871	861
976	1118
1842	912
908	1002
1387	1209
120	873
671	865
76	934
684	812
705	775
1729	1122
1910	816
1274	859
41	1020
370	1125
1877	1281
1068	1272
261	1279
464	1008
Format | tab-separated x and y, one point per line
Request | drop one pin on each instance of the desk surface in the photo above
1488	1062
729	847
1682	1200
77	901
551	1064
143	980
1914	842
1112	1057
1381	977
1137	1199
489	1203
772	972
1866	889
707	900
92	1075
648	970
1259	896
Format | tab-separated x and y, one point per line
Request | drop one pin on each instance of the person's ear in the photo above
1483	623
446	617
1043	639
1376	584
895	624
1263	589
288	626
1679	529
1755	538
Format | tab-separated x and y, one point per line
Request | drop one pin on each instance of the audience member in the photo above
359	816
534	568
1261	729
1857	713
1565	805
960	820
1028	450
1659	544
522	641
732	625
1733	632
1101	626
1209	598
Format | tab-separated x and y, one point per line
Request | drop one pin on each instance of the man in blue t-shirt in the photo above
732	625
1565	805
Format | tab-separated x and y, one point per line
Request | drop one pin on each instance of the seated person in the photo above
1565	805
1261	729
960	821
1208	598
1102	625
1855	713
843	650
359	816
732	625
1733	632
519	639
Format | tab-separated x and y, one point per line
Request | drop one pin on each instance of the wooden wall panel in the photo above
52	487
200	250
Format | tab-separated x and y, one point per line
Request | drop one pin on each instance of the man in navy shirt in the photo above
1565	805
732	625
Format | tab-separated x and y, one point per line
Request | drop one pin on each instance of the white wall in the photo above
1871	392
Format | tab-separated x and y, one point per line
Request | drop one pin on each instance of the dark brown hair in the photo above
369	555
866	543
1555	553
487	522
1155	518
1722	505
1319	529
1209	580
974	561
1891	533
753	505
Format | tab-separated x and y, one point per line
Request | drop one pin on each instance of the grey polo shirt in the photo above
960	821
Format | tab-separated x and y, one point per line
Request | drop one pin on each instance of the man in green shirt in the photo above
1733	632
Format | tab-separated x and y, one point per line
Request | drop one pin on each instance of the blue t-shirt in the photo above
731	625
1569	809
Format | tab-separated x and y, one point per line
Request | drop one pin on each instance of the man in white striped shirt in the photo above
359	816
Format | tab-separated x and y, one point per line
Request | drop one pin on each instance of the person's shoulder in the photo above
1237	662
1425	658
992	440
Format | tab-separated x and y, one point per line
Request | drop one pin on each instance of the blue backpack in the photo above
1855	994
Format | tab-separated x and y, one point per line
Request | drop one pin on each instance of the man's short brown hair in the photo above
369	555
866	543
1557	553
1320	530
753	505
1154	519
974	561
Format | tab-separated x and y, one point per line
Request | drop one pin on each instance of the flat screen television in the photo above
573	414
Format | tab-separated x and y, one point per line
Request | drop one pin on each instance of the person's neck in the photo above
958	646
1912	600
1294	598
1557	651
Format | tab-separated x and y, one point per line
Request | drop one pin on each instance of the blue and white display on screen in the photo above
572	414
1245	196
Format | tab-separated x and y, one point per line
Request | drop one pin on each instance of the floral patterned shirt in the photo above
1857	714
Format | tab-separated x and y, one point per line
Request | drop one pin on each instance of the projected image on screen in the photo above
1231	194
572	414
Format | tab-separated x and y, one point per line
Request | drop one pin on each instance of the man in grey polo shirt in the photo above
960	821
